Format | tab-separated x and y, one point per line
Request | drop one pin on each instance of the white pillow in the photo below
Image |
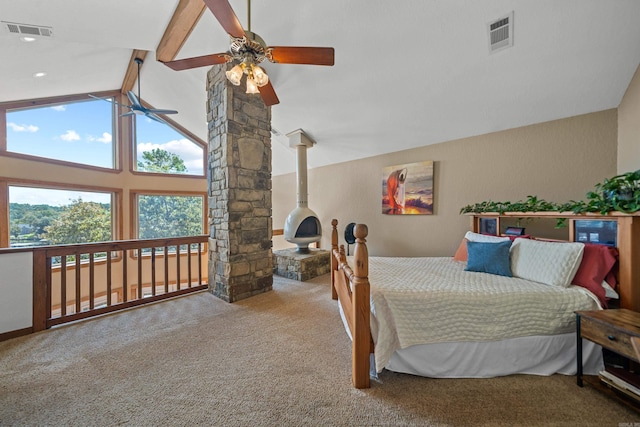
550	263
475	237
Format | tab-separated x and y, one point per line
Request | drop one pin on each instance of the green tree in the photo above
159	160
15	231
80	222
169	216
35	216
38	221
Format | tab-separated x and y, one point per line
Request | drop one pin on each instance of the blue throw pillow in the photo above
492	258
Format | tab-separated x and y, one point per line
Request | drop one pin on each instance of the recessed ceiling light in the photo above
27	39
40	74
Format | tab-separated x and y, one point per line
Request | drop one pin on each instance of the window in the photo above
170	215
45	216
79	132
72	158
162	149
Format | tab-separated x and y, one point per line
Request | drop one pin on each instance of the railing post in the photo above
178	267
41	294
125	276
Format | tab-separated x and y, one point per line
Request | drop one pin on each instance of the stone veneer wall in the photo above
293	265
239	158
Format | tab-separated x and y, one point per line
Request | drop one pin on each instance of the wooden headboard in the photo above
627	242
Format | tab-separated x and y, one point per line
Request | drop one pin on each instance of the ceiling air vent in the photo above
501	33
27	29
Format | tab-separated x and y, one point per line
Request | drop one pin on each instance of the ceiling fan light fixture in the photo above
252	87
261	78
234	75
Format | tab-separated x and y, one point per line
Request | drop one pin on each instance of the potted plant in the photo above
622	192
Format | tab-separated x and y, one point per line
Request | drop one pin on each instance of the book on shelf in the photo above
623	380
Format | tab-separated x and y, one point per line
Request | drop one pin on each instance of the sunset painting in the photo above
408	189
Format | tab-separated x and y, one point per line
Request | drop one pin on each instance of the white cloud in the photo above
106	138
188	151
22	128
71	135
146	146
59	108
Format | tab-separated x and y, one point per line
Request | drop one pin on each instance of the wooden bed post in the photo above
629	269
360	300
334	261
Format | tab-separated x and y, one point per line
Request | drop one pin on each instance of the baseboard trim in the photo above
15	334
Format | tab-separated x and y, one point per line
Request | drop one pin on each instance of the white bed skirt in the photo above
537	355
534	355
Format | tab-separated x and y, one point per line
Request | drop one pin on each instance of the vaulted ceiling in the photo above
406	74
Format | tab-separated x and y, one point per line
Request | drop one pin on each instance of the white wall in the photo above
629	127
16	291
558	161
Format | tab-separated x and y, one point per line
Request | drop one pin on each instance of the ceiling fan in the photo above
136	106
248	49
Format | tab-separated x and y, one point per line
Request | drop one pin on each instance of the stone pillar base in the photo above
293	265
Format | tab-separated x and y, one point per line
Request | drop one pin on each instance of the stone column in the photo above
239	177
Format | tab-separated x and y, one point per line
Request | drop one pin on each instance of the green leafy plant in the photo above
620	193
531	204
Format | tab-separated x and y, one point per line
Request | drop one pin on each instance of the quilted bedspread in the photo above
431	300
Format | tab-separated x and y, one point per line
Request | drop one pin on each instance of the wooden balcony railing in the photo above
73	282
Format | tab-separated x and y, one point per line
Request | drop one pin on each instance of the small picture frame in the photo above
489	226
597	231
514	231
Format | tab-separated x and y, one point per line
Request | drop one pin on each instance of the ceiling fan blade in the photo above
268	94
154	117
302	55
159	111
134	100
223	12
198	61
111	101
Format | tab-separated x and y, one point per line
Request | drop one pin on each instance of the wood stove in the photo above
302	227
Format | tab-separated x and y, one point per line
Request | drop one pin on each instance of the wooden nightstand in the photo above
612	329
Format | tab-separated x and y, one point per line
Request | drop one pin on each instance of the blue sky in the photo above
82	132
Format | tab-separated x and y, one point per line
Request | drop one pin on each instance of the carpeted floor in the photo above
277	359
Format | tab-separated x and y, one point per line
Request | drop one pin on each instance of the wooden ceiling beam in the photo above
184	20
132	70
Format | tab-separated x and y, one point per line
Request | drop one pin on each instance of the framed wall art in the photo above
408	189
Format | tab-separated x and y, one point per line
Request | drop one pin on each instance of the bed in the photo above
432	317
